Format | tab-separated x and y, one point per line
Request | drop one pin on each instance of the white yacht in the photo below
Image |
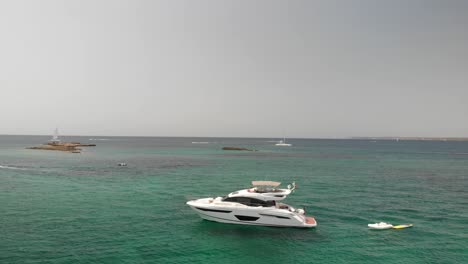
254	206
282	143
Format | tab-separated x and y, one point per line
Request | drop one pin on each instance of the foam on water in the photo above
11	167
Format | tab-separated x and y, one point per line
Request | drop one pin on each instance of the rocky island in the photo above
65	146
72	147
237	148
56	144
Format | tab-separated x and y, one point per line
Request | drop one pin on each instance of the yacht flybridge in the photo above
257	205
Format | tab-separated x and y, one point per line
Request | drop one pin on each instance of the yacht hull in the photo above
244	215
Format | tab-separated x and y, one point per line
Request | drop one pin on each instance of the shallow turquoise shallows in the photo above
58	207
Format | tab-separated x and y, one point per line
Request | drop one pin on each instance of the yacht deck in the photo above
310	220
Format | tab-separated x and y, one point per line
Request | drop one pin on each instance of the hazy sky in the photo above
234	68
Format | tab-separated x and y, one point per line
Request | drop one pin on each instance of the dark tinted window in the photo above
249	201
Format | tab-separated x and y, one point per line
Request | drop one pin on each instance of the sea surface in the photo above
58	207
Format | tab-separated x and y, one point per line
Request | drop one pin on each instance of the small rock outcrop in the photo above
237	148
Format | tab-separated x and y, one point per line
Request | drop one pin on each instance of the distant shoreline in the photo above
413	138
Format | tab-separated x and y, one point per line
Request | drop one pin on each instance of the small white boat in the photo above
381	225
122	164
282	143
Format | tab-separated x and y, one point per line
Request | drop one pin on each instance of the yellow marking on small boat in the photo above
402	226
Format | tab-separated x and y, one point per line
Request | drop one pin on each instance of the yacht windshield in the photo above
267	190
249	201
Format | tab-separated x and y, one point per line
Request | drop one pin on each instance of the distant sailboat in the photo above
55	139
282	143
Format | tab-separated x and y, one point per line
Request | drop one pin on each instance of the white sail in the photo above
55	138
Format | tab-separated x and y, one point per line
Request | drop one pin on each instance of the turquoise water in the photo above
58	207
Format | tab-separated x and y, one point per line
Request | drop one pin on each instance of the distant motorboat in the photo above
122	164
282	143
